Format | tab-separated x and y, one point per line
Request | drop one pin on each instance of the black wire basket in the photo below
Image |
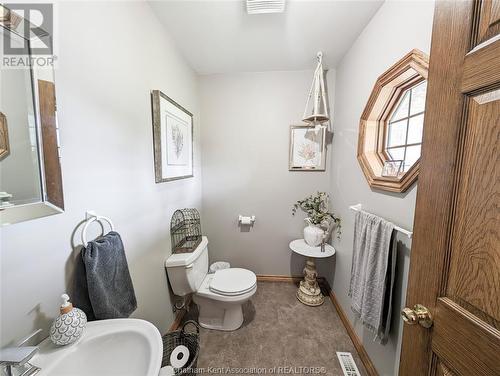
185	230
181	337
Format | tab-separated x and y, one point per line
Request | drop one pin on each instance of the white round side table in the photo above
309	292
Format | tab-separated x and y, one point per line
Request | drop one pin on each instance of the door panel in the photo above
475	260
455	263
489	20
465	343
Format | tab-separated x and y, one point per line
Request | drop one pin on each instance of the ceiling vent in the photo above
265	6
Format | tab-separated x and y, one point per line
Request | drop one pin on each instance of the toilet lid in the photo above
233	281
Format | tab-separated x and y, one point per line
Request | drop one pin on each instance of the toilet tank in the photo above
186	271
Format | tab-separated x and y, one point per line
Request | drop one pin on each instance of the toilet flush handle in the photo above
190	266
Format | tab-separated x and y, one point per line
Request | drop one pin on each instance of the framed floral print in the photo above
307	148
172	139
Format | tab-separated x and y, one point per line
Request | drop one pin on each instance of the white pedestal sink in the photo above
124	347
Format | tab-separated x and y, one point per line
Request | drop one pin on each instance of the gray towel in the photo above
373	272
103	287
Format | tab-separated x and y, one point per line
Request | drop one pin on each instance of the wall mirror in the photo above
391	126
30	171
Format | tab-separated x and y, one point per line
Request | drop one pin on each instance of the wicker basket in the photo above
182	337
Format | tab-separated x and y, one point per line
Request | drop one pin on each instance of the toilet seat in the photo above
233	281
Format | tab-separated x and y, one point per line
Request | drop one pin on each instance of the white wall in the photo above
245	140
397	28
111	54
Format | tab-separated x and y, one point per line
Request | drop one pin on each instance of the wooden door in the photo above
48	125
455	259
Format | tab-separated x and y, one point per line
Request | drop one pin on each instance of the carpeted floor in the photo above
278	331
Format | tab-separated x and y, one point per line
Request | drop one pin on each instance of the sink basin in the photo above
125	347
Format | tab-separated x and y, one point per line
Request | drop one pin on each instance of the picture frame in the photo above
4	137
392	168
307	151
172	139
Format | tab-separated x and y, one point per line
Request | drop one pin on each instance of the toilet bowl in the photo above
219	296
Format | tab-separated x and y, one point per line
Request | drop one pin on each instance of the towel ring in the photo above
92	219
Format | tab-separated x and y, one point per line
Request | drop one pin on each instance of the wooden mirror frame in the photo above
387	91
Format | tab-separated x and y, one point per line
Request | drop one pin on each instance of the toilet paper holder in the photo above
246	220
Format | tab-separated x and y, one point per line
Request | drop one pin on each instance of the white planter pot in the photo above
313	235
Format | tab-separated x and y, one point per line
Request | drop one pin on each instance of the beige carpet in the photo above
278	331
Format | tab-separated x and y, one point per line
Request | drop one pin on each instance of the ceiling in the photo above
219	37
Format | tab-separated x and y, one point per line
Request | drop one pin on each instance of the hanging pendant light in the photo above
317	113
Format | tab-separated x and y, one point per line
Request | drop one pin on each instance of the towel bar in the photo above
358	207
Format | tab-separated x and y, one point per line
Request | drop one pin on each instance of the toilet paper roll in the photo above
179	356
246	220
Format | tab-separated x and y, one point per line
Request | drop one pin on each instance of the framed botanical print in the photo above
172	139
307	148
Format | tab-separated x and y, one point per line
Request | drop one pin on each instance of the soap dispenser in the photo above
69	325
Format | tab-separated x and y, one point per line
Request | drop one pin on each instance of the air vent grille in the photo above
265	6
347	363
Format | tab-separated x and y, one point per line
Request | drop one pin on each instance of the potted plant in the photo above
320	221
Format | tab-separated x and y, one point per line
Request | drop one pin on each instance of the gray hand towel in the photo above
104	288
373	272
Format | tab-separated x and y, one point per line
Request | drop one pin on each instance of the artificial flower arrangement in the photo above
316	206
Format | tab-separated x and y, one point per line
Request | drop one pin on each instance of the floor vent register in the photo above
347	363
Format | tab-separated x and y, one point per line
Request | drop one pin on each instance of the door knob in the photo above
418	315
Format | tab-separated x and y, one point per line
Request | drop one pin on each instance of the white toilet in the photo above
219	296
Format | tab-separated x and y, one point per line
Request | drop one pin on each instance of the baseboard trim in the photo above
278	278
363	355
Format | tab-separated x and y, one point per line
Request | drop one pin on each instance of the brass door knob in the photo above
418	315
